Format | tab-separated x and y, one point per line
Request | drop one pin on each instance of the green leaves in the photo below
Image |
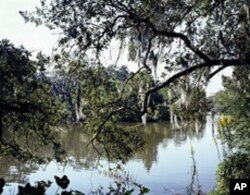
28	109
235	133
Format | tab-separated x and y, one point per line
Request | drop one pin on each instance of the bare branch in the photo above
216	71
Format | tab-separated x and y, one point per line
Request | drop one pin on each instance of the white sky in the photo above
13	27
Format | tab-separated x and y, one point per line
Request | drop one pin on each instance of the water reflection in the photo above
75	142
161	133
14	171
164	161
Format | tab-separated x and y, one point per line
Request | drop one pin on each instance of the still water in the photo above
165	165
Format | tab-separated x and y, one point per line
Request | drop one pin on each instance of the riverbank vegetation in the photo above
234	128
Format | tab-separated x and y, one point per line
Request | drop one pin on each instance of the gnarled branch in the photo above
223	62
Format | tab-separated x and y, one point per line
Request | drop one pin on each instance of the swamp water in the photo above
172	162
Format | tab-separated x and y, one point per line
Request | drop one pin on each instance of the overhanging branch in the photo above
171	34
223	62
100	127
211	75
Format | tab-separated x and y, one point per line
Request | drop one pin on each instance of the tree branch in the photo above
216	71
172	34
104	122
224	62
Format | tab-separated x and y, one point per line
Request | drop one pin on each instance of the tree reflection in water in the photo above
75	142
157	133
80	155
15	171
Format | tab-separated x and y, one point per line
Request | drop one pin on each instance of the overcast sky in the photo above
13	27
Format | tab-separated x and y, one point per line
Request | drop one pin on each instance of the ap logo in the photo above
239	186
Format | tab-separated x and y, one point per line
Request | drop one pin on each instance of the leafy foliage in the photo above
208	29
235	129
27	108
189	37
